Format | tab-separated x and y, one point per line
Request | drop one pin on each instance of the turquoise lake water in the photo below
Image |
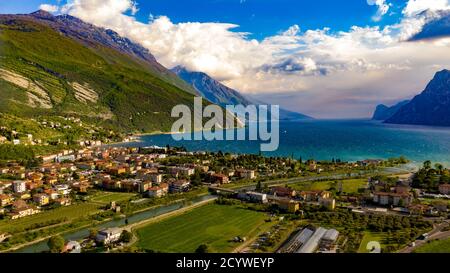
349	140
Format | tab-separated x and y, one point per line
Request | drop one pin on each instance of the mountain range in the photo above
60	66
431	107
383	112
217	93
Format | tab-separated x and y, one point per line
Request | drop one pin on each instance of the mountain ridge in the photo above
383	112
218	93
431	107
61	66
89	34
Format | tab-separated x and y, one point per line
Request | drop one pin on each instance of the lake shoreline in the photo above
324	140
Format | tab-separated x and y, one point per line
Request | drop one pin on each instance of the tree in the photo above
93	233
56	244
196	179
258	186
439	167
427	165
203	248
126	236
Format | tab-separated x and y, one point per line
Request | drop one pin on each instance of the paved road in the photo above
435	234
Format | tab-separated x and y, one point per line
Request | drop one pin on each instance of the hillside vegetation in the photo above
45	73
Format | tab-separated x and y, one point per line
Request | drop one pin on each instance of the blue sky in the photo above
264	18
261	18
324	58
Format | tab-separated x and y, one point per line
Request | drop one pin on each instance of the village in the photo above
74	177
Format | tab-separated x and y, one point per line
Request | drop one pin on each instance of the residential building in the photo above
156	177
19	186
179	186
51	179
35	177
23	195
219	178
256	197
329	203
65	158
118	170
52	194
402	189
246	174
72	247
21	209
41	199
63	201
283	192
417	209
288	205
158	191
112	184
5	200
444	188
183	171
392	198
312	167
135	185
80	187
62	189
108	236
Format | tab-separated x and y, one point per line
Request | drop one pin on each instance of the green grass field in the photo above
107	197
369	237
380	237
348	186
441	246
431	200
70	212
215	225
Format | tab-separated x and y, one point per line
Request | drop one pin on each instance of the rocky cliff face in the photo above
211	89
431	107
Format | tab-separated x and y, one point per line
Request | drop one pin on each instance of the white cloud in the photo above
414	7
364	63
49	8
383	8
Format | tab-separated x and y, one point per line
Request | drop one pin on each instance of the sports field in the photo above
214	225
